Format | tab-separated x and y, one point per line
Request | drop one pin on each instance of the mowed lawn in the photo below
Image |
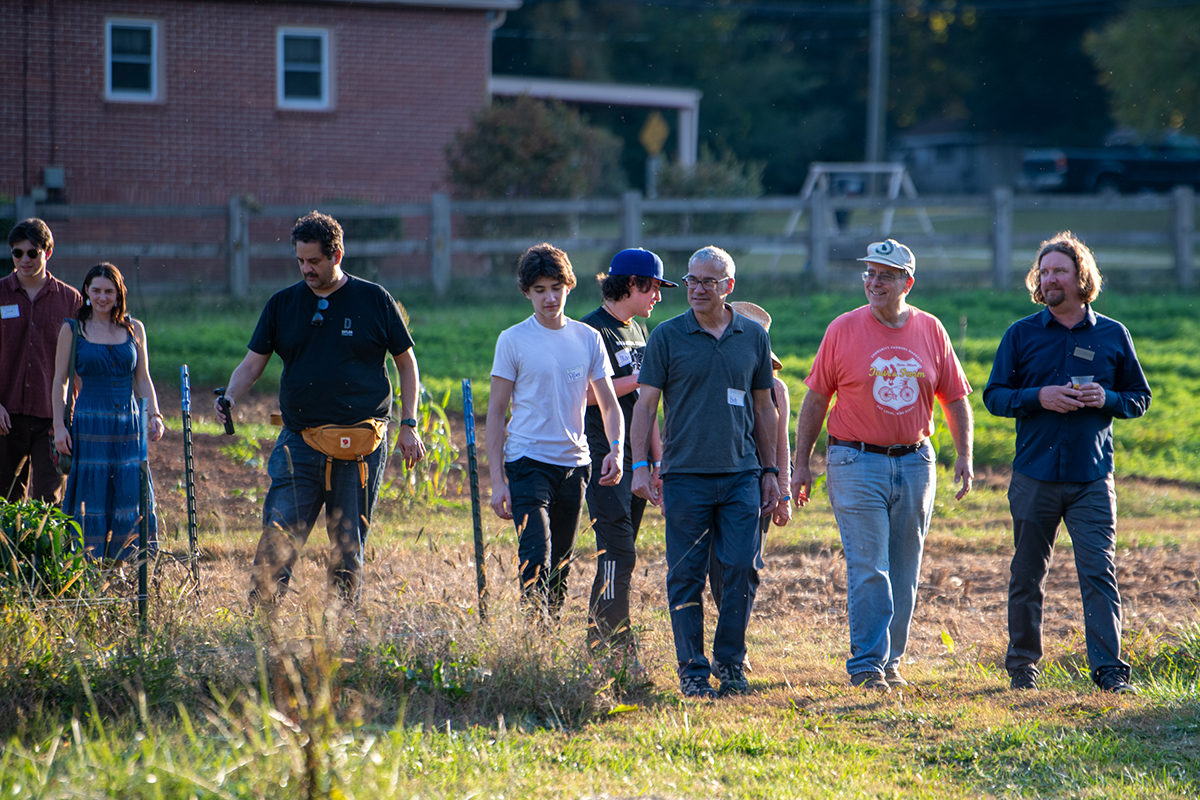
413	697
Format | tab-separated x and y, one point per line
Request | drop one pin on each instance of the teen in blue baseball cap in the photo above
639	262
631	288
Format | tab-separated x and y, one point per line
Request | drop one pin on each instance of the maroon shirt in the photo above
28	340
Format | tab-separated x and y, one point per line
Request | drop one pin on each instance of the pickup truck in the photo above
1112	169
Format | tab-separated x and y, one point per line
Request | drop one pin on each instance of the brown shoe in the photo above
871	681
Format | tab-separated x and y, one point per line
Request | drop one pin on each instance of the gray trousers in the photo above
1090	513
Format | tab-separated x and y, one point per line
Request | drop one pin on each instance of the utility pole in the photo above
877	90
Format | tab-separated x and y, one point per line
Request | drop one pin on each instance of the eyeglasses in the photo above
33	252
882	277
709	284
319	318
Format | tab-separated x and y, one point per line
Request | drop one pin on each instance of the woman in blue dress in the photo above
110	358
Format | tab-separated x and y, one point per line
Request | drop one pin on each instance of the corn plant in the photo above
429	480
40	552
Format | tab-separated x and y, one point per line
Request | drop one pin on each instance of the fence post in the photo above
1002	231
238	247
818	246
439	243
631	221
1185	225
26	208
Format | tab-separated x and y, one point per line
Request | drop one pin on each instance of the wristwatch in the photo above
409	421
773	470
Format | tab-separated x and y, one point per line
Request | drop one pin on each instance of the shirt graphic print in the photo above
896	379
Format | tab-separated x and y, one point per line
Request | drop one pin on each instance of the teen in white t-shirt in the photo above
539	461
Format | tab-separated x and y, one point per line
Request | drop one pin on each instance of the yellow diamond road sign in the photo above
654	133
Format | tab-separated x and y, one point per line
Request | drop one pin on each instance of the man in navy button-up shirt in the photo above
1065	373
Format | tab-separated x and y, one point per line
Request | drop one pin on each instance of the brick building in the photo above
188	102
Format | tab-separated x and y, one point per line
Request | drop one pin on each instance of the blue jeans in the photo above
1090	513
294	502
720	511
883	505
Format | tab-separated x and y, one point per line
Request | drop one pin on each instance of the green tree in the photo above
527	148
1149	59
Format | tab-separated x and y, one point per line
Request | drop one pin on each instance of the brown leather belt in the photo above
893	450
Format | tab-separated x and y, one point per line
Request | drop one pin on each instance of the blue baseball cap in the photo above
636	261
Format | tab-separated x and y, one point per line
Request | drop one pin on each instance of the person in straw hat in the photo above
782	513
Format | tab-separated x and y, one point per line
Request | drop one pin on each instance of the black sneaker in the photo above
1116	683
870	681
1023	679
893	677
697	687
733	679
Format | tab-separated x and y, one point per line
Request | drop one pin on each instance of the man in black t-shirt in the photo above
630	288
333	332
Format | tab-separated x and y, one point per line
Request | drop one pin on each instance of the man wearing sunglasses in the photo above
333	332
33	305
711	367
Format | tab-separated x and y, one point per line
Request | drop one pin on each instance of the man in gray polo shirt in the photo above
712	369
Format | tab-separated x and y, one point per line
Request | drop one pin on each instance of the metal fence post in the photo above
1002	237
439	243
1185	226
631	220
238	250
818	246
26	208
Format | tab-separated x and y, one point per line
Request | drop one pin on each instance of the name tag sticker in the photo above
736	397
10	312
1086	355
575	374
624	358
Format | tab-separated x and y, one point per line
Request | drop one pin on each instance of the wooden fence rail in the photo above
823	241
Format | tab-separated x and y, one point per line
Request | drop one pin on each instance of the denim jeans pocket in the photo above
926	452
838	456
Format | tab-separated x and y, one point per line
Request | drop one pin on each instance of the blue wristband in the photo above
615	444
641	464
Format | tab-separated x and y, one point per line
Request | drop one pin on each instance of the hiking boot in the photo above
1116	683
871	681
893	677
733	679
1023	680
697	687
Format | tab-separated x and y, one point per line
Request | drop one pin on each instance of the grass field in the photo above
413	697
455	340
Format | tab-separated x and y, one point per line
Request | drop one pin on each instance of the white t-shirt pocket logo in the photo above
736	397
575	374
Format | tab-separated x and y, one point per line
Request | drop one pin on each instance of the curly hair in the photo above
320	228
544	261
119	315
1081	256
34	231
618	287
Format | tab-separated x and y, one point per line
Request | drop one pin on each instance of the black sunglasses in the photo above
19	253
319	318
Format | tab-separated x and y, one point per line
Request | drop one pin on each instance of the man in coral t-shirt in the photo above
886	362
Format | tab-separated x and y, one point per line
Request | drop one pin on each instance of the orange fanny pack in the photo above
346	443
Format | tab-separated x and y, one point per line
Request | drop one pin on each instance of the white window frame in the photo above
326	100
125	95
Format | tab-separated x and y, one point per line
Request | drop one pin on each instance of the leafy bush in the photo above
39	547
528	148
712	176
